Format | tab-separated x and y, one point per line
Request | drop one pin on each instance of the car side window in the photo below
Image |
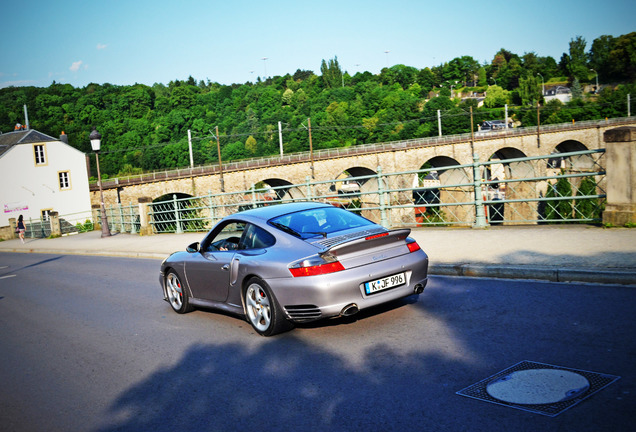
227	239
256	238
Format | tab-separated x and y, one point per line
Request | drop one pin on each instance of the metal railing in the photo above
557	188
122	218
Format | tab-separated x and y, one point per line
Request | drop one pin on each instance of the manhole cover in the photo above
539	388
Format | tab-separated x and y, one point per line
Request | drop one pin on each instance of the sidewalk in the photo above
570	253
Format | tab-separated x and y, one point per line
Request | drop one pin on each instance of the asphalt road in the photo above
87	344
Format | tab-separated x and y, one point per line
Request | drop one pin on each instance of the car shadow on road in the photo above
305	381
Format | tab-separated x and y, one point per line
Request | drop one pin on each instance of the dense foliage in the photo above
145	128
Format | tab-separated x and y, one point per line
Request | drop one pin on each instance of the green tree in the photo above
529	90
482	80
561	209
599	56
331	73
577	65
623	58
250	145
496	97
577	91
587	208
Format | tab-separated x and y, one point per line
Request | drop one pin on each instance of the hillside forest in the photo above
144	128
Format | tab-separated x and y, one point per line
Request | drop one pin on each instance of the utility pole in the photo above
190	148
538	126
280	139
311	148
218	149
472	132
506	119
439	123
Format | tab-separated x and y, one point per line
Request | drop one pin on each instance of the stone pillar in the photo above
144	219
54	219
620	164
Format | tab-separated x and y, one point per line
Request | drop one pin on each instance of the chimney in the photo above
64	138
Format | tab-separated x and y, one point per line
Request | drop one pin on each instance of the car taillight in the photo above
317	269
413	246
318	265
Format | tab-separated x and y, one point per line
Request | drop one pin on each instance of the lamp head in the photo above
96	139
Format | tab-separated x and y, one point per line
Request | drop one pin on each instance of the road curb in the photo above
498	271
114	254
552	274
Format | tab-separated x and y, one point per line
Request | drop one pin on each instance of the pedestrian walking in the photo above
21	228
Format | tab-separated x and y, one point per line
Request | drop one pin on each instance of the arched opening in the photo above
570	163
571	175
179	212
504	181
274	189
353	189
438	191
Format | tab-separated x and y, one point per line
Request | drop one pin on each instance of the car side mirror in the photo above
194	247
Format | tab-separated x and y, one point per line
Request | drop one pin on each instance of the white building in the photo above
564	94
39	174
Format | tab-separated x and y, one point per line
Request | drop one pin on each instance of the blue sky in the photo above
140	41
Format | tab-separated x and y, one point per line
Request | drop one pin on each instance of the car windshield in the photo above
318	222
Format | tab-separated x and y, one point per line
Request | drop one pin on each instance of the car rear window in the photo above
319	221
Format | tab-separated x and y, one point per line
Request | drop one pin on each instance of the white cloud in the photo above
75	66
101	46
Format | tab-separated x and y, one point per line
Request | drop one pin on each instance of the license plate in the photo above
385	283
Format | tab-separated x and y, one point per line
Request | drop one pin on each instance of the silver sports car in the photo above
293	263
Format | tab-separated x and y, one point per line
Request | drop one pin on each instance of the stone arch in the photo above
277	189
178	212
351	181
455	186
574	163
499	187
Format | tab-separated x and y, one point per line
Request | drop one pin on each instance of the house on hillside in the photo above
40	174
562	93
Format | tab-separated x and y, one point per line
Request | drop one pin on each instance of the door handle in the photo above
225	267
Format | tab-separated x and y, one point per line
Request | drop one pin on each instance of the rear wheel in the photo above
177	295
262	309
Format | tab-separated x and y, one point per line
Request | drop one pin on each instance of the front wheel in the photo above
262	309
177	295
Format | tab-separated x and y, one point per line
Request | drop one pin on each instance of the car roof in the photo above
272	211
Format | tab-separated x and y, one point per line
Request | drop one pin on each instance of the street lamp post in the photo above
596	90
542	84
96	141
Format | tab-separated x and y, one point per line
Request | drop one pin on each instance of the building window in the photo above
65	180
44	214
40	154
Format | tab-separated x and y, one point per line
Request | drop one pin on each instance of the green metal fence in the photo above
556	188
122	218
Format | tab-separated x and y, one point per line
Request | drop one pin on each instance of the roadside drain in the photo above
539	388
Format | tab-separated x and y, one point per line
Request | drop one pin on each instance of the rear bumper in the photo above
325	296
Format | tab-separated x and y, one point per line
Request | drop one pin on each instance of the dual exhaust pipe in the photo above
352	309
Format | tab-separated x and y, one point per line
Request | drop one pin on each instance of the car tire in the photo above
176	294
262	310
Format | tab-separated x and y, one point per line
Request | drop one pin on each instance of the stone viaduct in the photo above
362	160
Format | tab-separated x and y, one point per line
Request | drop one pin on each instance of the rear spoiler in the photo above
371	240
